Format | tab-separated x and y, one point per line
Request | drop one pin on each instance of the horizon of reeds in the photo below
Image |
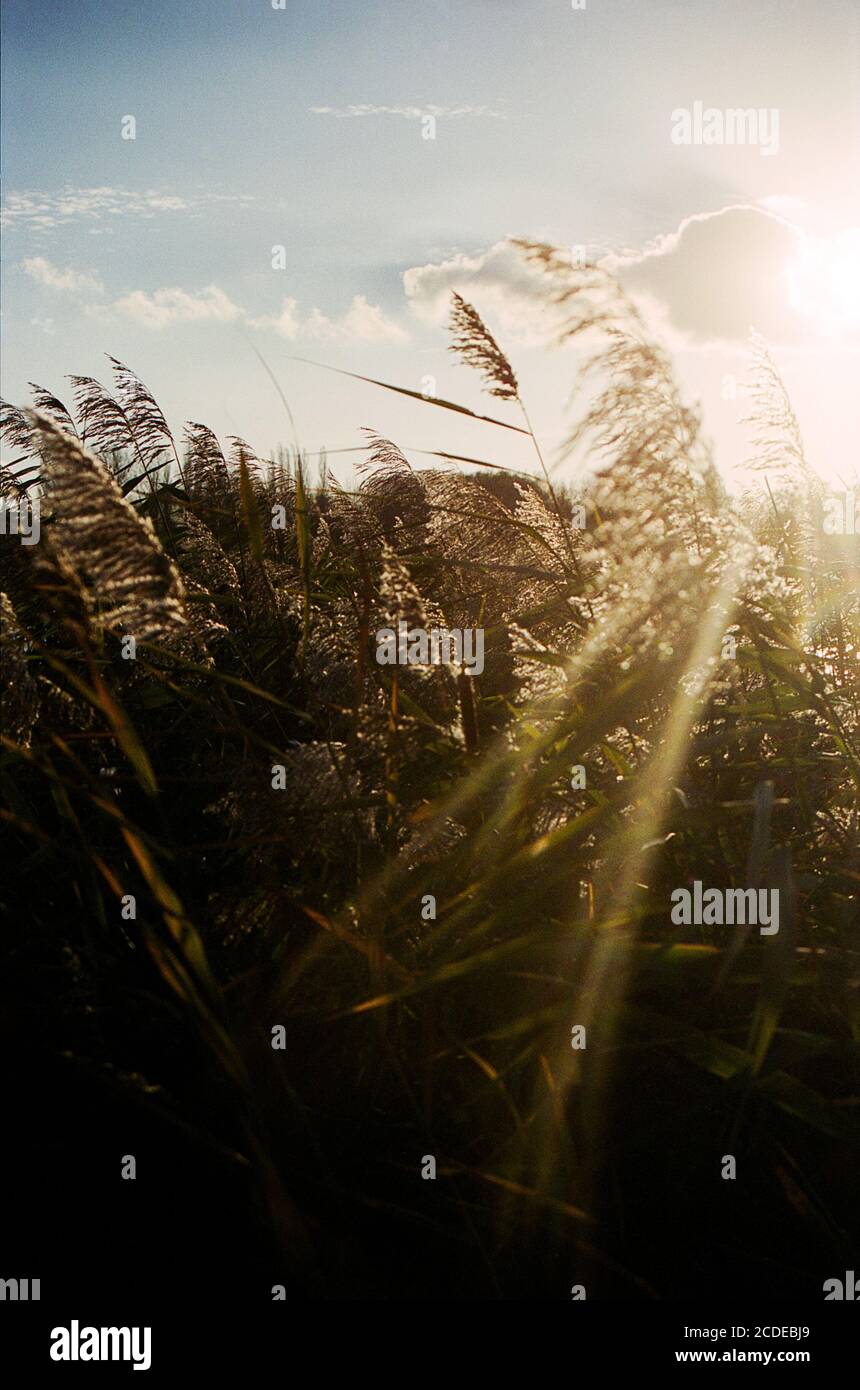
300	907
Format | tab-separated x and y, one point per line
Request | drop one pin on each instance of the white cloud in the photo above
409	113
718	274
784	204
52	278
169	306
500	282
286	322
704	284
42	211
368	323
362	322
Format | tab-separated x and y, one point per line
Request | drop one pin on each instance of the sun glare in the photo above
824	281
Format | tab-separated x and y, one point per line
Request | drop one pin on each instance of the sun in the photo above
824	281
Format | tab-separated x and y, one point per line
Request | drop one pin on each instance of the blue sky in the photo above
302	128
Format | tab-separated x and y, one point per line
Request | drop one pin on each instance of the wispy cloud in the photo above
169	306
43	211
501	282
362	322
163	308
52	278
409	113
287	322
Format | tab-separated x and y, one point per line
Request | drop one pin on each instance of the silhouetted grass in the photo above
301	906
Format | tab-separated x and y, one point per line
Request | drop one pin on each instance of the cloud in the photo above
368	323
409	113
286	322
163	308
704	284
43	211
785	204
503	286
718	274
52	278
170	306
362	322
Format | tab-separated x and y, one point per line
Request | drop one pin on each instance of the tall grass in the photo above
301	906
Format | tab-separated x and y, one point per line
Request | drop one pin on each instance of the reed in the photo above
300	904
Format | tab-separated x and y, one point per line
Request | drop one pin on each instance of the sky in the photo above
308	127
